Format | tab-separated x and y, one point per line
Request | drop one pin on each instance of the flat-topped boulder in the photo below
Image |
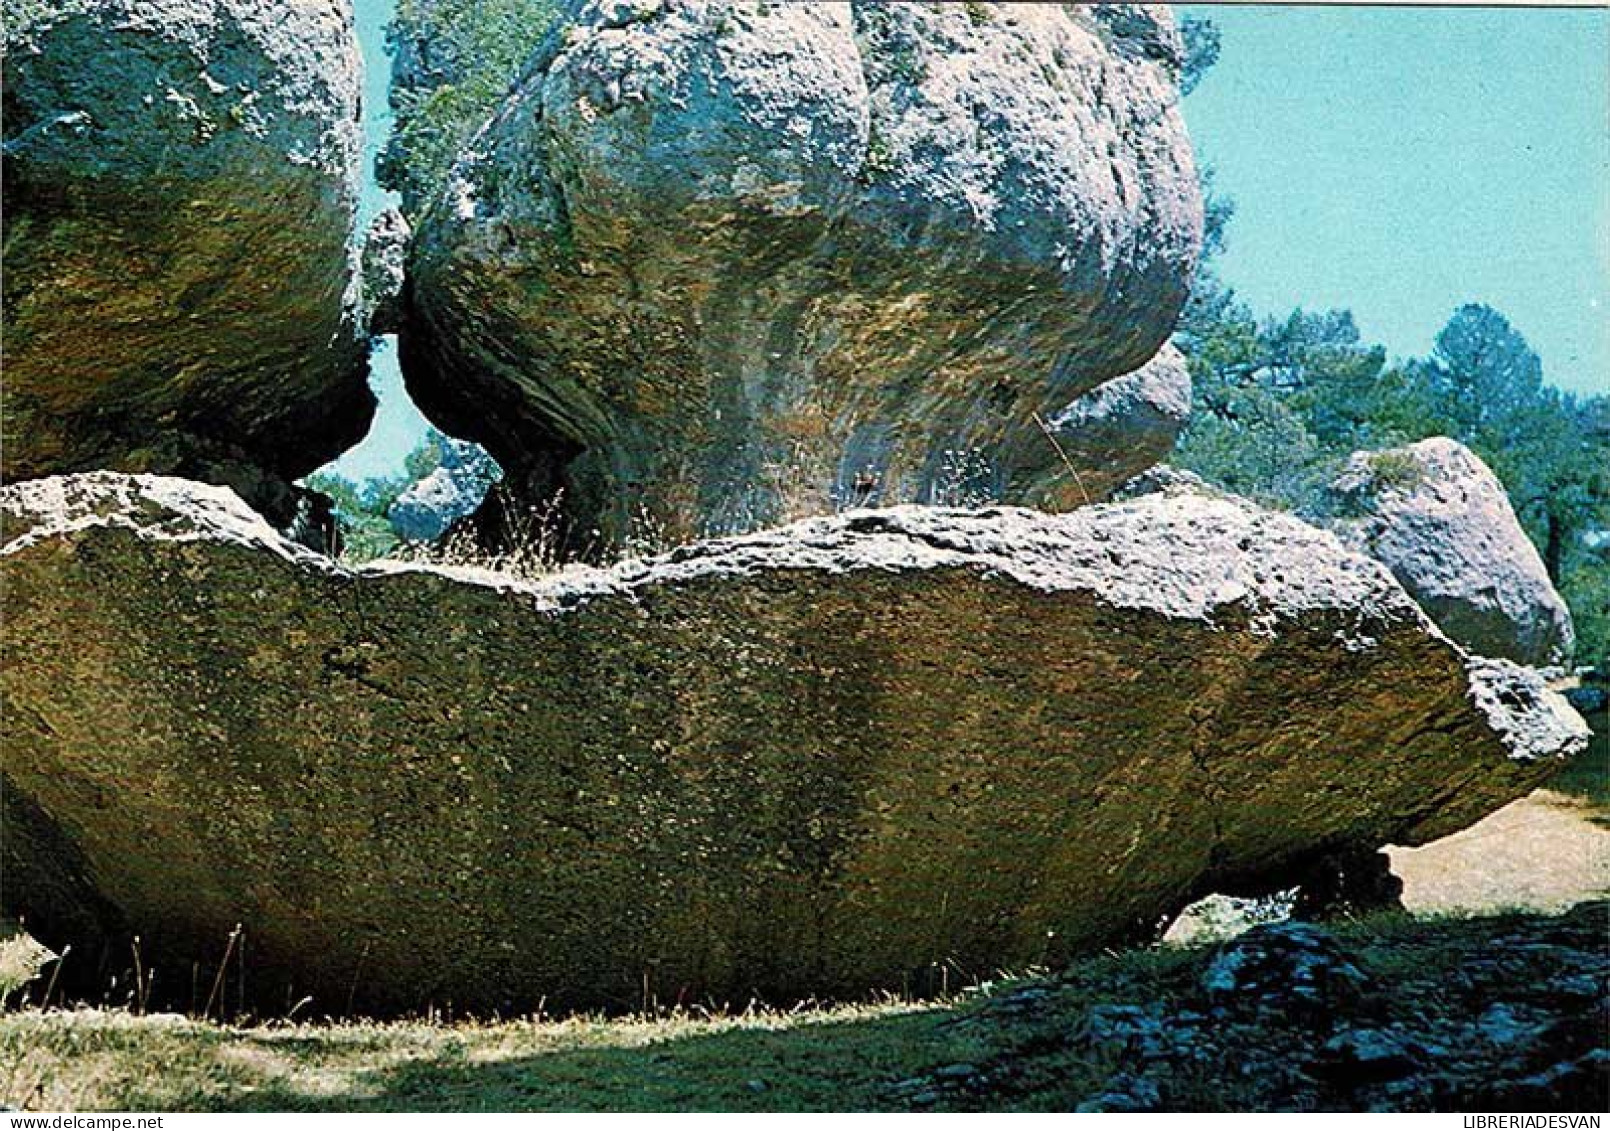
817	761
180	290
713	265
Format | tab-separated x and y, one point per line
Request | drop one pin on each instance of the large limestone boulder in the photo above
179	296
1440	520
814	761
718	263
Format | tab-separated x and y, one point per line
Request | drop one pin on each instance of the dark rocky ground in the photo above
1503	1014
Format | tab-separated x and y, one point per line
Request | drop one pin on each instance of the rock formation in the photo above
385	251
180	179
1116	432
1501	1014
809	762
723	263
1439	519
450	492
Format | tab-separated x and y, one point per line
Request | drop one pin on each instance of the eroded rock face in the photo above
722	263
809	762
1439	519
180	179
385	252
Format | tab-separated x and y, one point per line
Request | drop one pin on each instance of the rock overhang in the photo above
684	761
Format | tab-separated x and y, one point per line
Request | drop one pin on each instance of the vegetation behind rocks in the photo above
453	62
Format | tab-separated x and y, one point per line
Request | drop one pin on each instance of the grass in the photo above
831	1059
22	960
1015	1046
846	1058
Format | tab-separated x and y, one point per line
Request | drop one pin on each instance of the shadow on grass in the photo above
829	1066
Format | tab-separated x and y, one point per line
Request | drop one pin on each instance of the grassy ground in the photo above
1014	1046
109	1060
843	1059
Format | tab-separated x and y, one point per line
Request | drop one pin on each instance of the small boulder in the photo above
1293	970
1439	519
1117	431
452	491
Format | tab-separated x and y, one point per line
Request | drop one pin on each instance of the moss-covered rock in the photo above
819	761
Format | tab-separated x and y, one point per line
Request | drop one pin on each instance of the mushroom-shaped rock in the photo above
1439	519
180	178
719	263
816	761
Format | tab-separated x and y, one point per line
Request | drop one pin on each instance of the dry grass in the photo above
22	960
820	1060
1017	1044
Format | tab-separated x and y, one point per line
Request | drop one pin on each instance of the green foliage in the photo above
1586	588
1280	404
1251	442
361	508
1201	36
907	64
1396	470
453	63
426	458
360	512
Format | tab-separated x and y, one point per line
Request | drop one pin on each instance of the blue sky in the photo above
398	426
1395	161
1402	161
